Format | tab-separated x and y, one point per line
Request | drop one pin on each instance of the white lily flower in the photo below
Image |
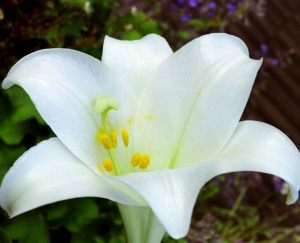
145	127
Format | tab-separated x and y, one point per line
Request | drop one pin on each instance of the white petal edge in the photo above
171	194
193	101
48	173
135	60
63	85
257	146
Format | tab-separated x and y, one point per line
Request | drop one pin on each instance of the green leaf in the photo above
201	25
74	27
4	237
72	214
91	233
98	240
8	155
138	18
12	133
183	35
56	211
19	117
149	27
5	106
51	36
28	228
78	3
131	35
197	23
22	106
107	227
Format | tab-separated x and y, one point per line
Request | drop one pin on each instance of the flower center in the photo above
107	138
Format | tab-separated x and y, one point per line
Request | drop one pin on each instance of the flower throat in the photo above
108	138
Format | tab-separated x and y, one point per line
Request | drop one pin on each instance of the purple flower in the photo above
230	202
180	2
210	15
264	48
231	7
243	174
193	3
274	62
230	180
174	6
185	17
212	6
217	181
278	184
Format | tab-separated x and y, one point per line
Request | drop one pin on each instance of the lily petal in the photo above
257	146
63	84
49	173
135	60
171	194
194	101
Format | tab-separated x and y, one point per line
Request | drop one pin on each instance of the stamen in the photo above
144	161
114	141
105	141
125	137
135	160
107	136
108	165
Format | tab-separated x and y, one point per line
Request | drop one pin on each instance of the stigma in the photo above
105	103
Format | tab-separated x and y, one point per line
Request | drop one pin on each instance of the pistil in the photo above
103	104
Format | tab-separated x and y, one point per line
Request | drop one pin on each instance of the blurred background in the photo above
237	207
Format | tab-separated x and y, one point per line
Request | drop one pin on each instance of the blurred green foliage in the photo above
27	26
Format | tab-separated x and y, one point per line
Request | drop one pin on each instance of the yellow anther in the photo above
125	137
108	165
144	161
114	141
105	141
135	160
